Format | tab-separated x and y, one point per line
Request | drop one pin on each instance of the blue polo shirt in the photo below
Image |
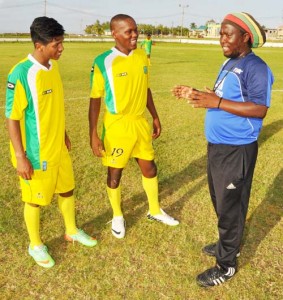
240	80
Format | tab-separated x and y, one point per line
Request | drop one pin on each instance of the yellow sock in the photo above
150	186
67	208
114	196
32	219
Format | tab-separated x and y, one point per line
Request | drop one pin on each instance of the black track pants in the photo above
230	171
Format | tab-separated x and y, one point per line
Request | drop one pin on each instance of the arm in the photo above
151	108
209	99
67	141
24	167
93	116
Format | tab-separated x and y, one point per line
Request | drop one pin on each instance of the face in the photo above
52	50
233	41
125	33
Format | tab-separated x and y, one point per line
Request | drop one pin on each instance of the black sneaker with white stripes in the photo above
210	250
215	276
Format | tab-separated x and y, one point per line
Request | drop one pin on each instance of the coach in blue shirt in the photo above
235	111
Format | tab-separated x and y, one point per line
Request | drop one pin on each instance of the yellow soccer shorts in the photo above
44	184
126	137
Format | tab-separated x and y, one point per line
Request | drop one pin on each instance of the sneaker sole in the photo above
151	218
69	239
46	266
118	236
206	286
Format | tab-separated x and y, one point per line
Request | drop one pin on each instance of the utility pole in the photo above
183	12
45	4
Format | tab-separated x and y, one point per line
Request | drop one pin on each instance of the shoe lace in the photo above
44	249
82	234
41	248
112	221
166	215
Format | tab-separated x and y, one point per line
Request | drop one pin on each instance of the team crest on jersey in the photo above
145	70
47	92
10	86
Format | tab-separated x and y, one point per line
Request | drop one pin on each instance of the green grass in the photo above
153	261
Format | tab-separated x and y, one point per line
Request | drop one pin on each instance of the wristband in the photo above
219	102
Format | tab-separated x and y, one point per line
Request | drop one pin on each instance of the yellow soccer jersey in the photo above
35	97
122	80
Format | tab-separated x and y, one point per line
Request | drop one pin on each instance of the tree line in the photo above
99	29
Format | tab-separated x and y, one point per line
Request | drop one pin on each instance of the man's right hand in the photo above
24	168
97	147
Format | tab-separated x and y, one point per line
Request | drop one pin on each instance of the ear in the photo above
246	37
38	46
113	34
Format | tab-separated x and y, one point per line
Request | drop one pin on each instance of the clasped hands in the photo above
198	99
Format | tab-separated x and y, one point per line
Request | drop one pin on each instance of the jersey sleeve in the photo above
260	80
16	100
96	83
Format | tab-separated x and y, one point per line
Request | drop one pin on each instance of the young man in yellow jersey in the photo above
39	142
120	76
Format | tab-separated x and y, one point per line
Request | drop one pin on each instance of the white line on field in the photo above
81	98
67	99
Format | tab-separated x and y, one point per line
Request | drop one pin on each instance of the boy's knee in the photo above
113	183
150	171
114	177
67	194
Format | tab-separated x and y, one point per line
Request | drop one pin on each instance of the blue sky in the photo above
74	15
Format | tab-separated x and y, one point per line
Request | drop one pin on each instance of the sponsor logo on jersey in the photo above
47	92
10	85
238	71
122	74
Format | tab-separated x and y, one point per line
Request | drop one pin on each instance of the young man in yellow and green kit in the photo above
39	142
120	77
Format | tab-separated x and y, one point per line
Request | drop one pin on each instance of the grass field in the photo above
154	261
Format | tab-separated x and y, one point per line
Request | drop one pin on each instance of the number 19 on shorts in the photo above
117	152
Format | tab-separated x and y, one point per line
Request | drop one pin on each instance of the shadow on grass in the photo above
263	219
136	207
269	130
270	211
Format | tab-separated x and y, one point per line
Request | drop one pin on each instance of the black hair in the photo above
119	17
44	30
